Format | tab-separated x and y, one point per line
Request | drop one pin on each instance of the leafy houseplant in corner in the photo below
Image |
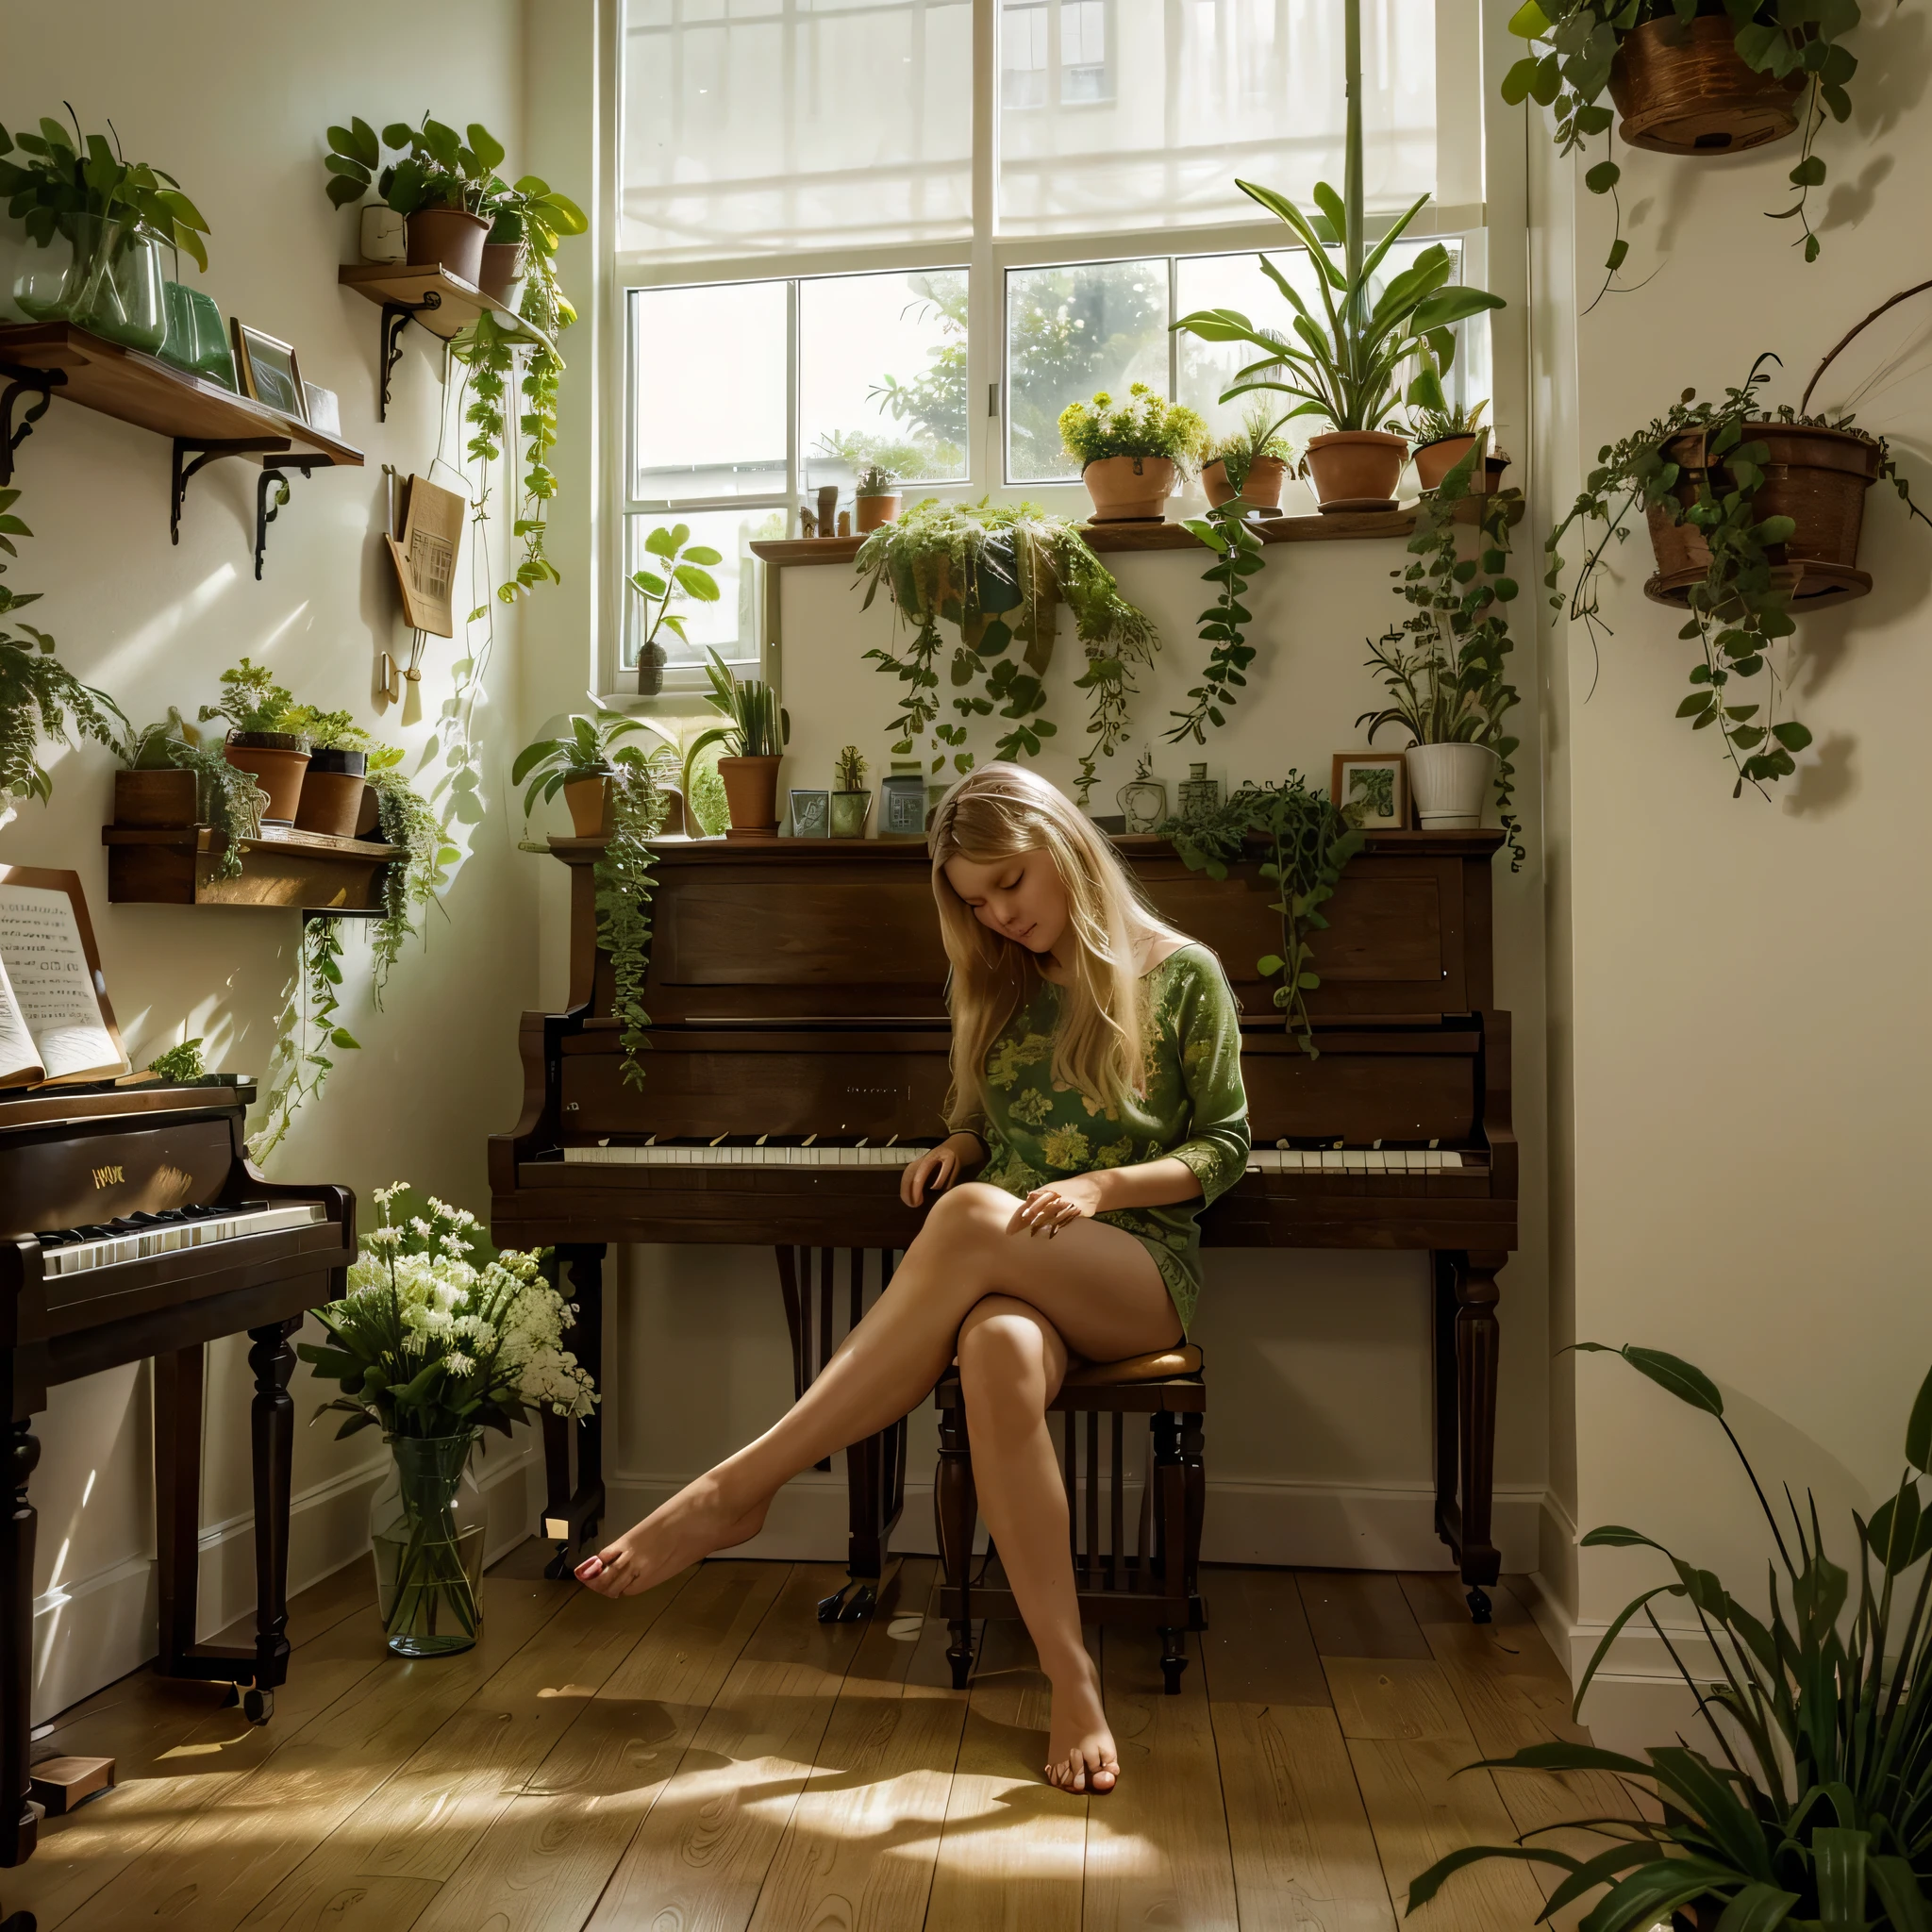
1818	1814
680	572
1252	464
875	498
440	187
1445	669
439	1338
851	801
756	737
1131	458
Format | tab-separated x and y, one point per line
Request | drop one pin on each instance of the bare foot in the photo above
1079	1746
683	1530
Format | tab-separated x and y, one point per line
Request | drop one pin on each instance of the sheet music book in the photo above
56	1024
426	555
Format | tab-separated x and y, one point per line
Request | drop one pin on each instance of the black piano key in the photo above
247	1208
56	1237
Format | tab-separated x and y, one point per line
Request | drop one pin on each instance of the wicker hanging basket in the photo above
1684	89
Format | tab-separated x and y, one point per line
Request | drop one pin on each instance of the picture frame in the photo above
1371	789
269	372
812	815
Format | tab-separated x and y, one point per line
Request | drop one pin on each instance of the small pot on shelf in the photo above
1450	784
451	238
1130	490
651	662
751	789
277	761
875	511
1682	88
850	810
332	792
1356	469
588	799
165	797
1434	460
501	271
1261	487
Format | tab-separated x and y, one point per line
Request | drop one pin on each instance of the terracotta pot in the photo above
1129	488
153	798
450	236
875	511
589	800
369	820
332	793
278	762
751	789
1817	478
501	268
1434	460
1494	466
1684	90
1356	469
1265	479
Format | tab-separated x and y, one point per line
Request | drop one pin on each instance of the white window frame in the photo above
1460	211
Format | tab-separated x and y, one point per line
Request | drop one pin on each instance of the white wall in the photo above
240	122
1739	1044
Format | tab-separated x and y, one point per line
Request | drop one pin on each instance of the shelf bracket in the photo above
38	382
272	475
206	452
395	318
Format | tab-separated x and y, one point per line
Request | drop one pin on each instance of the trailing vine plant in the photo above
1445	667
625	885
1238	555
998	575
1308	841
307	1032
1741	608
415	883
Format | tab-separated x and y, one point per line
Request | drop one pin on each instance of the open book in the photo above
55	1021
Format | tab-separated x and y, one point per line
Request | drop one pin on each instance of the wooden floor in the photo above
709	1757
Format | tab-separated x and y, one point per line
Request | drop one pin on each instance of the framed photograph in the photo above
269	371
324	413
1371	789
812	815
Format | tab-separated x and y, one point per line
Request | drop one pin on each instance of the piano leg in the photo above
180	1387
18	1818
956	1510
272	1426
1467	1339
571	1514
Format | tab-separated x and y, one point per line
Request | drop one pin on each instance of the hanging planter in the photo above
1814	476
1681	88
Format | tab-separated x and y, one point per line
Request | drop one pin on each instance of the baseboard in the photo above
1310	1525
88	1633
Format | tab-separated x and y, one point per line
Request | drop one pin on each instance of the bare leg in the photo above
1011	1361
1095	1285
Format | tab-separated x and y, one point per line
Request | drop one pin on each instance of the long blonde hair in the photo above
1002	811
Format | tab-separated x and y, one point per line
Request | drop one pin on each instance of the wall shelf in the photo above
429	295
204	421
306	871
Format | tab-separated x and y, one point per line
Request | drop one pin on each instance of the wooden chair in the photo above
1155	1583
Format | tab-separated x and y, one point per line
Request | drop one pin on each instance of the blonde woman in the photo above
1097	1096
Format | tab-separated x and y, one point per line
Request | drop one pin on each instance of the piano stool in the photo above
1155	1584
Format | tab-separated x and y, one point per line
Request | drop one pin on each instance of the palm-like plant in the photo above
1819	1815
760	727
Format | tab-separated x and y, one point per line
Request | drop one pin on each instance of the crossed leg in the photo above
1096	1293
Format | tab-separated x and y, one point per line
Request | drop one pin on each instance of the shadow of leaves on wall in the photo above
1826	780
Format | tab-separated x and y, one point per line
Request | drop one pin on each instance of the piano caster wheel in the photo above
257	1706
851	1604
1478	1606
963	1671
19	1921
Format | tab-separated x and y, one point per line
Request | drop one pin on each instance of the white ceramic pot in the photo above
382	234
1450	784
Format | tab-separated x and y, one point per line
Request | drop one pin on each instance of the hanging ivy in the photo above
1238	555
307	1034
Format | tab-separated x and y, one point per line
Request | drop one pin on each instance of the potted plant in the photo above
1345	366
171	777
1687	80
1250	464
441	186
523	218
1754	516
1445	668
336	778
439	1338
851	801
756	737
681	573
875	500
1819	1812
1131	458
582	765
259	740
1440	433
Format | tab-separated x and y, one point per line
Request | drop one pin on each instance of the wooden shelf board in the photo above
459	301
1456	842
149	394
174	865
1347	526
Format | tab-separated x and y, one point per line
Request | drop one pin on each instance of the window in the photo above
797	190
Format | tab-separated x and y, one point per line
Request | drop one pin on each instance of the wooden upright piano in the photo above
132	1224
798	1056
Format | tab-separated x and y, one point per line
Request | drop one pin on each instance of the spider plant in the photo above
760	728
1818	1816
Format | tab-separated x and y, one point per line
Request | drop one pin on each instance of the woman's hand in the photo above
936	1170
1057	1204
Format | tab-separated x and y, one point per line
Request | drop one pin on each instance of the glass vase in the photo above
110	282
426	1530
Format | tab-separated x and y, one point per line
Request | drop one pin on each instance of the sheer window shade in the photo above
758	126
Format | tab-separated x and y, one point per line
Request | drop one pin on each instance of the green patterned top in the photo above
1195	1109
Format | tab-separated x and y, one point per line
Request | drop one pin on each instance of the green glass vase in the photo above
426	1531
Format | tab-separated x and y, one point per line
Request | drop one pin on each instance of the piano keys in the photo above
798	1053
132	1225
